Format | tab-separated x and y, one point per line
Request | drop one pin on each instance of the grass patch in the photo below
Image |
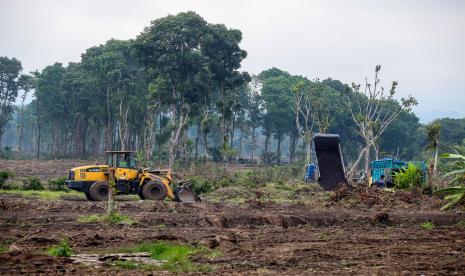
3	249
177	256
133	265
461	223
61	250
114	218
427	225
44	194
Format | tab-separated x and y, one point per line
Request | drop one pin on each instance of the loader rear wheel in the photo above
98	191
154	191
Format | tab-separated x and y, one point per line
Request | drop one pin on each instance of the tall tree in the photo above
254	109
221	47
169	48
367	108
26	84
9	85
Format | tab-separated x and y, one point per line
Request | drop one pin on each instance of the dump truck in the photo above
93	180
329	160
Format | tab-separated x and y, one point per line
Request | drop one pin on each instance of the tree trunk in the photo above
123	128
253	146
292	145
240	145
367	162
308	147
197	139
205	147
376	149
355	165
278	150
175	138
38	128
436	152
232	129
109	132
267	142
111	191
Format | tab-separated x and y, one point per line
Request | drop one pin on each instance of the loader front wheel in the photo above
98	191
154	191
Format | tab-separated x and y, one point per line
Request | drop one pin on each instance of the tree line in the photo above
176	93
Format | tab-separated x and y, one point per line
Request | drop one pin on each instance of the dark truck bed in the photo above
330	162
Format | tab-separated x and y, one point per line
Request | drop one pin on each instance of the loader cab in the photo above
124	164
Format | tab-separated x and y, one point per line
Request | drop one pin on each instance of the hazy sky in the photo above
421	44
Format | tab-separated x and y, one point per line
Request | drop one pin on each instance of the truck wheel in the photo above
154	191
99	191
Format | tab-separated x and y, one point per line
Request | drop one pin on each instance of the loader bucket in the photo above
185	194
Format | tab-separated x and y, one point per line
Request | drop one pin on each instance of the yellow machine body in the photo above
129	178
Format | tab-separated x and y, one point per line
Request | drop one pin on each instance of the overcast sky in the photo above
421	44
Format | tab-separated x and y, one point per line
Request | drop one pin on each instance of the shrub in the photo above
409	177
57	184
32	183
200	185
61	250
4	175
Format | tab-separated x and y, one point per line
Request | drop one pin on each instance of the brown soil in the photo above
362	231
275	238
44	170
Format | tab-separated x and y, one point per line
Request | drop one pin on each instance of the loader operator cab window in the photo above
121	160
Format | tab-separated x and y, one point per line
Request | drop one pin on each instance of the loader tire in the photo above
154	191
98	191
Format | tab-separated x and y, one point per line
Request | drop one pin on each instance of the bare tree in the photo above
370	112
304	115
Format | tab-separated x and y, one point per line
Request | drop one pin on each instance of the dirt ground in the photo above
363	232
43	169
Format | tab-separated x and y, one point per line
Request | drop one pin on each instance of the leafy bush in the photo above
200	185
455	195
454	168
409	177
57	184
4	175
32	183
61	250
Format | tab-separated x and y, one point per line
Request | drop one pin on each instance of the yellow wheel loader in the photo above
129	179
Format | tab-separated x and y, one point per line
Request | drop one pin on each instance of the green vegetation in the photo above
177	256
4	175
409	177
57	184
44	194
461	223
133	265
61	250
455	172
3	249
113	218
32	183
427	225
